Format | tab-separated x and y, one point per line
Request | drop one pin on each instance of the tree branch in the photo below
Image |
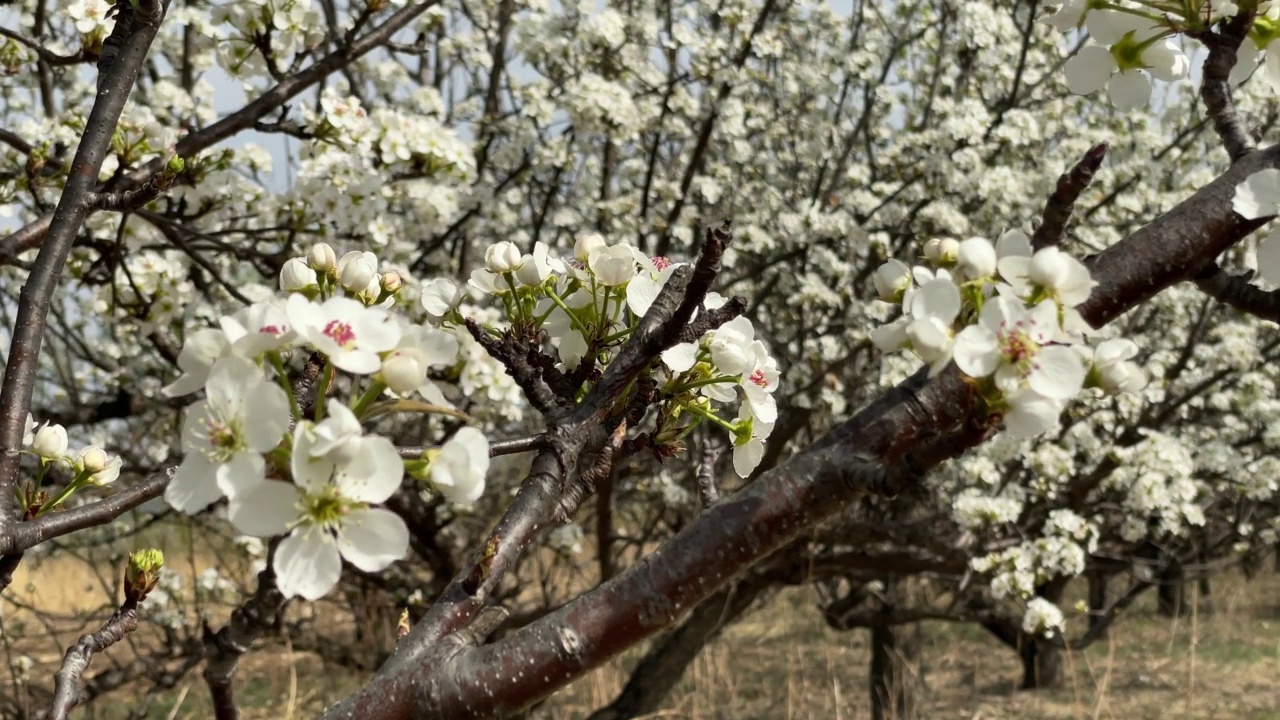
1215	87
1053	223
869	450
133	34
1235	291
67	689
256	617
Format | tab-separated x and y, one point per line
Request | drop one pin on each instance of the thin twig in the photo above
1057	211
1215	87
67	689
1235	291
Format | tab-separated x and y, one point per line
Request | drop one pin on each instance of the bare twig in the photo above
67	690
1215	87
1235	290
27	535
1053	224
194	143
500	447
133	34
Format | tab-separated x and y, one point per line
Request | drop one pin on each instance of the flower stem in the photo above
375	389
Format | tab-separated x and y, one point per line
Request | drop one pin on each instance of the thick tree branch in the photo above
259	615
869	450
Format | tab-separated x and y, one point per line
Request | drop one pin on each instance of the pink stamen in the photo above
341	332
661	263
758	378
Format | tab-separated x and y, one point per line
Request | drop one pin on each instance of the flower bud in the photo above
102	467
976	258
502	257
892	280
941	251
94	459
296	276
322	258
1048	268
391	283
403	371
357	270
587	244
50	442
142	574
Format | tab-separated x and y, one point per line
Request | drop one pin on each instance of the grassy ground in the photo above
783	663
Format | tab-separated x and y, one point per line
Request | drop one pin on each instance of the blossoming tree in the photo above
500	233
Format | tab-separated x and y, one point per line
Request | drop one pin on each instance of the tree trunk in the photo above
1171	595
1097	599
1041	664
891	677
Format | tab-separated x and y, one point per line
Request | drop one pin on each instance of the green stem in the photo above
375	389
703	412
283	377
325	379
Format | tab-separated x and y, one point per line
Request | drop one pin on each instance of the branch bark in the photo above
67	689
873	451
135	29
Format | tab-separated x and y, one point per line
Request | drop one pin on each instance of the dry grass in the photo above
783	663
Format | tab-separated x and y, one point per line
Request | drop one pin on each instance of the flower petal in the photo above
194	486
976	352
1058	374
1269	258
1258	196
373	538
265	509
374	473
307	564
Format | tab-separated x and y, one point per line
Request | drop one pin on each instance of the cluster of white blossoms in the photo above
50	444
1007	317
589	305
1132	42
314	474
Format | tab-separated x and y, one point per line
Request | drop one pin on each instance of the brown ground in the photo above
783	663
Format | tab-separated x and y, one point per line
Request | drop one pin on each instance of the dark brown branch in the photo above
588	479
46	55
1098	624
866	451
193	144
258	616
497	448
28	534
1057	212
133	34
1235	291
67	689
1215	87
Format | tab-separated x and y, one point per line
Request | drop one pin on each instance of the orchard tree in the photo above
928	304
